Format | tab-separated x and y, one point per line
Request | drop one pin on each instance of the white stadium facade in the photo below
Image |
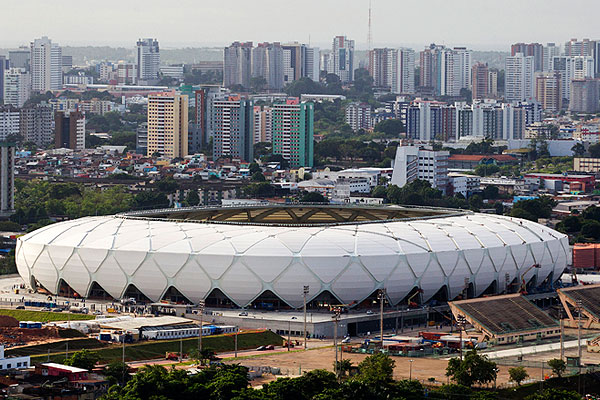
247	255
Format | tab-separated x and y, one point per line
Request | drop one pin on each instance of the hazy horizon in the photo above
478	25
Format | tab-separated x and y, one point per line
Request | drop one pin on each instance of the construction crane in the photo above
410	302
523	288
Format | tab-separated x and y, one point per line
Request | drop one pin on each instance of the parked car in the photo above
244	314
20	307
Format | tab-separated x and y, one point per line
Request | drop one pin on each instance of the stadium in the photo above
264	255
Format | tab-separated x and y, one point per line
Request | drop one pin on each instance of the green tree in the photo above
343	367
254	168
379	192
594	150
578	149
390	127
376	369
591	229
570	224
558	366
313	197
167	185
518	374
193	199
486	169
533	209
490	192
258	177
117	372
474	368
83	359
555	394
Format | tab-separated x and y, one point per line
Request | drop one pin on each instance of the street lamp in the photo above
305	293
410	371
201	311
289	333
381	297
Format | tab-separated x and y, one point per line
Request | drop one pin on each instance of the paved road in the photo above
532	349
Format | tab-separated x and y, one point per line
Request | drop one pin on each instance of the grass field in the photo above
150	349
56	347
43	316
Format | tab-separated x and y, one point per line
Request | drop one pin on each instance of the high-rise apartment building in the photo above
519	80
446	71
584	96
263	124
535	50
358	116
197	130
237	64
342	59
147	61
551	50
292	62
69	130
37	124
431	120
168	124
17	86
232	127
493	83
311	63
480	77
126	73
573	67
574	47
412	162
548	91
3	67
45	65
393	69
268	63
7	179
293	130
19	58
9	123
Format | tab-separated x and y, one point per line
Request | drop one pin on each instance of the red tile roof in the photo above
479	157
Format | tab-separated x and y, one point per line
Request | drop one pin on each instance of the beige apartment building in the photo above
168	124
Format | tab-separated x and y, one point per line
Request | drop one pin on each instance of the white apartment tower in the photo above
17	86
342	59
45	65
147	60
412	162
393	69
519	80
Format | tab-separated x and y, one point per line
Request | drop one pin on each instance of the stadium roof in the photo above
501	315
589	295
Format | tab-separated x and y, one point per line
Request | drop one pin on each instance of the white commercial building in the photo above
13	362
147	61
341	62
519	79
413	163
464	184
45	65
17	86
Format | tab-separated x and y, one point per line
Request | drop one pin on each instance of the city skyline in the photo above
271	23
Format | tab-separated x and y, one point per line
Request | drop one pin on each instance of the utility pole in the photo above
562	340
336	318
381	296
236	335
124	366
201	311
289	334
305	292
181	349
460	322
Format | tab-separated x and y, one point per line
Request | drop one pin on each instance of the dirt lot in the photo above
422	368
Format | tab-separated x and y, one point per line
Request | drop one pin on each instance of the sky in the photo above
478	24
